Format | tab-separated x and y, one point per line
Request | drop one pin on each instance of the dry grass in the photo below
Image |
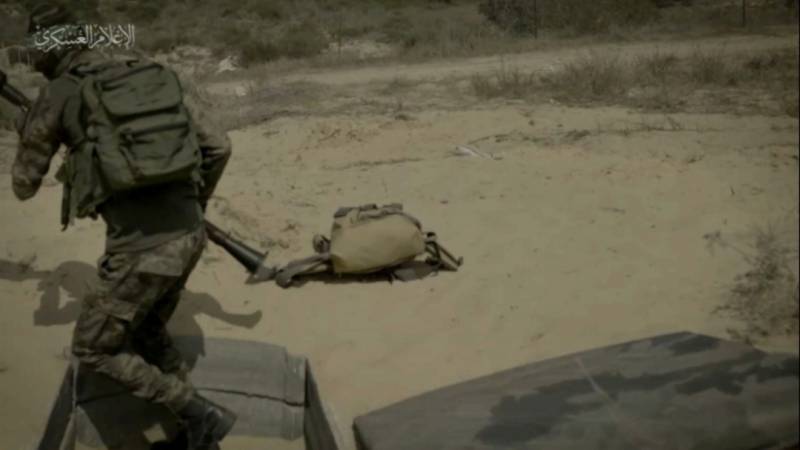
658	81
267	30
592	77
765	297
657	66
588	78
397	85
505	82
709	68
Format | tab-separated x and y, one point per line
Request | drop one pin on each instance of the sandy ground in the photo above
585	229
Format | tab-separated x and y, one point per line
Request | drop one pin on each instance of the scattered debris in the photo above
227	65
575	135
694	158
471	151
364	164
291	225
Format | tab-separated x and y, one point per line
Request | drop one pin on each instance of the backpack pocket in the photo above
159	149
132	91
141	130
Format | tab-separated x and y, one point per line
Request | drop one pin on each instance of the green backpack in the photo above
137	133
371	239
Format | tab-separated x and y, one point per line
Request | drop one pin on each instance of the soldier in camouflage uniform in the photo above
154	238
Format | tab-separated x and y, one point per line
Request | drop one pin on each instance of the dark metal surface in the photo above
675	392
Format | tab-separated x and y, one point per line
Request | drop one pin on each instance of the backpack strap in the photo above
439	256
319	263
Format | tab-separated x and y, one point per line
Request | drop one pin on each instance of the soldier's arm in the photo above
215	147
38	143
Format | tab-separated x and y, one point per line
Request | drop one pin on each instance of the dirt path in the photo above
534	61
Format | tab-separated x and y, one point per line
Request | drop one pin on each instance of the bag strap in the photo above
439	256
318	263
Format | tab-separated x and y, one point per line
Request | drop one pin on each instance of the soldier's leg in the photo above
152	340
103	337
131	285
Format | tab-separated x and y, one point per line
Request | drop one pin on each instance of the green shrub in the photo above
269	9
517	16
576	16
398	29
255	51
142	12
303	39
439	36
232	35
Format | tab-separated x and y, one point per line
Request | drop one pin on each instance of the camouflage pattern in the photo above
150	250
43	132
121	331
674	392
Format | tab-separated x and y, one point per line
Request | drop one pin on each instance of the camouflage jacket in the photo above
45	130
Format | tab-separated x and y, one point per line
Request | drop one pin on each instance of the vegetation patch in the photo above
657	81
765	297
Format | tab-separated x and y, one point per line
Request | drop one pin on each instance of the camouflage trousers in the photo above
121	331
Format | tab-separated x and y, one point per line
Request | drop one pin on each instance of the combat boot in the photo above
205	423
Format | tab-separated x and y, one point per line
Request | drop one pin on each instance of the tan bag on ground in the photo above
371	239
368	238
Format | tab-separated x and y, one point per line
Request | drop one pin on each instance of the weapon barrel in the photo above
248	257
12	94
